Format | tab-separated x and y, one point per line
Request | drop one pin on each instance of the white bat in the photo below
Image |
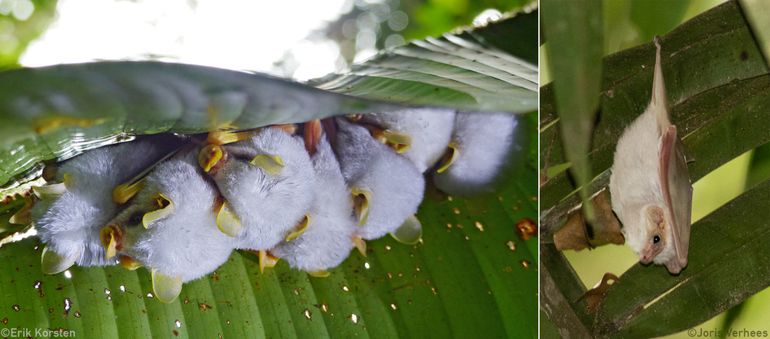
71	212
170	226
650	184
327	241
420	135
267	182
386	188
480	146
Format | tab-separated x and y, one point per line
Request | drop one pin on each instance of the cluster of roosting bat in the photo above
306	193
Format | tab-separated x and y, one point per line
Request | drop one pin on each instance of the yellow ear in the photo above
299	229
228	222
272	164
165	288
361	201
124	192
409	232
53	190
53	263
400	142
319	274
227	137
449	157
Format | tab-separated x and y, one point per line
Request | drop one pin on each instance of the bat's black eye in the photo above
135	219
656	239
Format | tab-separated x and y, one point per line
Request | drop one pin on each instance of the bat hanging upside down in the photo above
650	184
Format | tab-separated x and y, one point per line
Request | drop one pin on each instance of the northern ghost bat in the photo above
650	184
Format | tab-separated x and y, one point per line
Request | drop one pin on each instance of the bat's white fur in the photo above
187	243
269	206
70	224
429	128
484	141
395	183
635	183
327	241
635	180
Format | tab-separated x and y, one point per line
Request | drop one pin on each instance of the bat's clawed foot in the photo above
266	260
360	244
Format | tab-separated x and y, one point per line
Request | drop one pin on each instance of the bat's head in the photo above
653	241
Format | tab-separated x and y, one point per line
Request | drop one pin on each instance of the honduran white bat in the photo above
327	241
650	185
420	135
480	145
170	227
267	181
386	187
71	212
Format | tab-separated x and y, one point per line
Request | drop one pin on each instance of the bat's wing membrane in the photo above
677	193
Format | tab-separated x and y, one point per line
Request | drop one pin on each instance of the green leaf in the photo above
757	12
44	116
576	27
728	263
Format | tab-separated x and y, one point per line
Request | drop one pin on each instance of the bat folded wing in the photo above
677	193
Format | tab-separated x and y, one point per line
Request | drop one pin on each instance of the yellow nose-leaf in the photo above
210	156
164	207
266	260
449	157
361	200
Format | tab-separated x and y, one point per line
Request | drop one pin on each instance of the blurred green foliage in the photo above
22	21
378	24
